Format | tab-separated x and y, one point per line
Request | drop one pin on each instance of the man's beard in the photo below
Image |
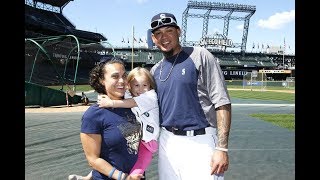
168	54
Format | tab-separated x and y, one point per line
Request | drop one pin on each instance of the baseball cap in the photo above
163	19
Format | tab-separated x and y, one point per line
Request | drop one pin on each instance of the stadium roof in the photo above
57	3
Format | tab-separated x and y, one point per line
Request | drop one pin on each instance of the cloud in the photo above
278	20
240	27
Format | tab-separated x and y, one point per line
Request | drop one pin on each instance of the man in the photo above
69	95
195	107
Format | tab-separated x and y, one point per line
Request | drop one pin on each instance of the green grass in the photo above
282	120
262	95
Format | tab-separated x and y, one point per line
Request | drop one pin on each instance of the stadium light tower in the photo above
229	8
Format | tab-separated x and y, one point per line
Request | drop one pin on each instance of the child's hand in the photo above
134	177
104	101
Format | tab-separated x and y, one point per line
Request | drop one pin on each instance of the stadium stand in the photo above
50	22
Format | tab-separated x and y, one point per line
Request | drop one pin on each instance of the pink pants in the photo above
144	156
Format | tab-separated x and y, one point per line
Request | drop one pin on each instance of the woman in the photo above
143	101
110	136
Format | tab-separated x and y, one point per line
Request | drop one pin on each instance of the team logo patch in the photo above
150	129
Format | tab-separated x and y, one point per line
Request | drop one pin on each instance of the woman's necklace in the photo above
174	62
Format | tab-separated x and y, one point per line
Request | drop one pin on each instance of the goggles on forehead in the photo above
104	60
164	21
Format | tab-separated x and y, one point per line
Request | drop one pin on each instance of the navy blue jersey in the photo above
120	136
189	92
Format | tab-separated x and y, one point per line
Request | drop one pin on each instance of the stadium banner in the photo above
234	74
275	71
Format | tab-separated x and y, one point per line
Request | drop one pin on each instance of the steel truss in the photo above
217	6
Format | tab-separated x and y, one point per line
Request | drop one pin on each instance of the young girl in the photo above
144	104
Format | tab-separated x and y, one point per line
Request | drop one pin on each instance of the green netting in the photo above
56	61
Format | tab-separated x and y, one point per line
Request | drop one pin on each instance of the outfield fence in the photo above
261	85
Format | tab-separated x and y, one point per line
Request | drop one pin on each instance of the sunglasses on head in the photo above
104	60
164	21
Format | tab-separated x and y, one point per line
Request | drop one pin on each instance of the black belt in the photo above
186	133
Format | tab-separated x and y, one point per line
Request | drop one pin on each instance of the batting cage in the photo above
52	62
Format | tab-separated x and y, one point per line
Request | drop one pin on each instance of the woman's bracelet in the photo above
112	103
222	149
119	175
111	172
124	176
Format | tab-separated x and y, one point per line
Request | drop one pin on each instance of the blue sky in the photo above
272	24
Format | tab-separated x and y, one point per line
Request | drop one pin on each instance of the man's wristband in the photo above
222	149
